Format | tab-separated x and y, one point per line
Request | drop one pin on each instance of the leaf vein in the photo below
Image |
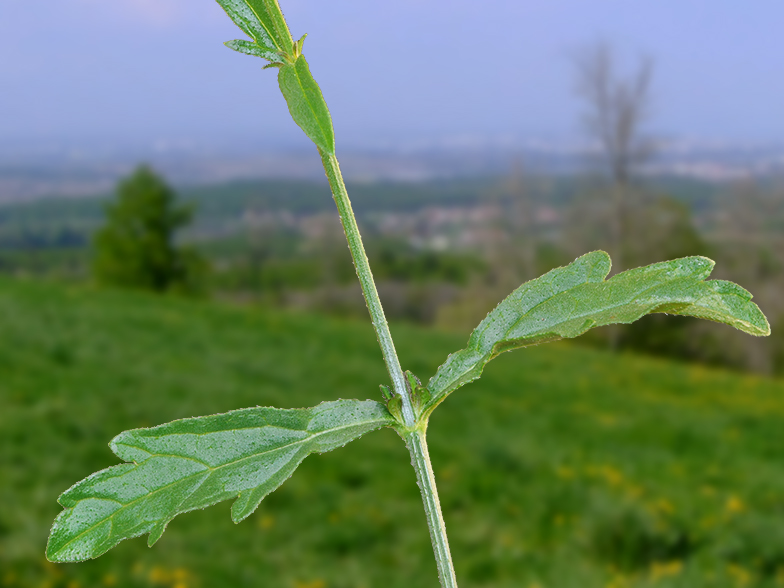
209	473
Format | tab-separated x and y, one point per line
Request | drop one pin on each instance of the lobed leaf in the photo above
568	301
196	462
262	20
306	104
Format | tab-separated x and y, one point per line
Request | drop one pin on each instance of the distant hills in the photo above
32	172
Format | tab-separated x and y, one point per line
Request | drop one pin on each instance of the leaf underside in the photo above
568	301
263	21
254	49
194	463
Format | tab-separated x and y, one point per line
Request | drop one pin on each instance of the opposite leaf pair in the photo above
194	463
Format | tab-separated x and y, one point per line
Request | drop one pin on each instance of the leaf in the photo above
271	16
249	48
262	20
306	104
568	301
246	19
196	462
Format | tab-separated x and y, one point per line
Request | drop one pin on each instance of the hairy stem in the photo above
415	437
365	276
420	459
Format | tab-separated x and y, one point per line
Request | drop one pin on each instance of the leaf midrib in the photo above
618	305
485	354
310	106
604	281
211	471
266	30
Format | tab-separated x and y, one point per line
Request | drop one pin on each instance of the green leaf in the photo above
271	16
306	104
567	301
194	463
250	48
263	21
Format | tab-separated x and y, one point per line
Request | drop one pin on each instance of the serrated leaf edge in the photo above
157	530
699	275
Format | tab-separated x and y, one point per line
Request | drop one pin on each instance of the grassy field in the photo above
563	467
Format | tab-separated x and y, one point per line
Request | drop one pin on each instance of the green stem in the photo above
420	459
365	276
415	435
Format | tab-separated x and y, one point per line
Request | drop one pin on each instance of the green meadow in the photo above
564	467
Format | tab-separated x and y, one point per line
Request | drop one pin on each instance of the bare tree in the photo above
615	109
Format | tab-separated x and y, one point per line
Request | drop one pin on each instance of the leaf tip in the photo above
156	532
52	554
758	324
242	508
123	446
697	266
55	557
598	264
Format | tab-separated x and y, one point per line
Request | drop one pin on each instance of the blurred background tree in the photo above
615	108
137	246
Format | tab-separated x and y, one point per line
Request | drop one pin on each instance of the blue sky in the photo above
395	71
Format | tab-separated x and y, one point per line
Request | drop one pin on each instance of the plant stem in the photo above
420	459
365	276
415	436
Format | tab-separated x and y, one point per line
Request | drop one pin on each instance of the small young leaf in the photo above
196	462
568	301
306	104
250	48
262	20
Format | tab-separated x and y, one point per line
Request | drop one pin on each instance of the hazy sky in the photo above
397	70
